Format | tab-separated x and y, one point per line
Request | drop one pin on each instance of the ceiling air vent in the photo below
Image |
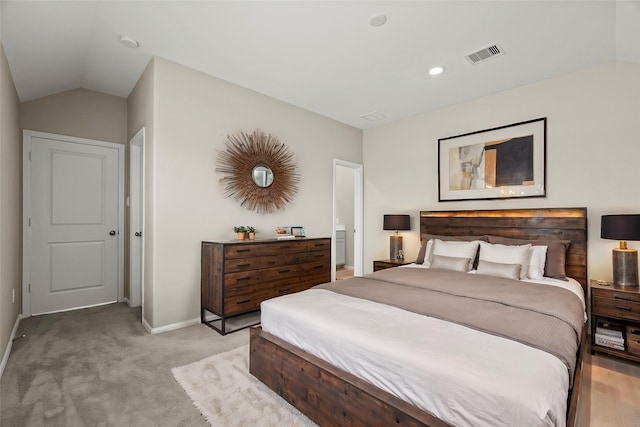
485	54
374	116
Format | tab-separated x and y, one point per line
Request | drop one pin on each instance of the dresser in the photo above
236	276
619	306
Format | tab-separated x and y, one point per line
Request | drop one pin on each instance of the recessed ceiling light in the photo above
129	42
378	20
436	71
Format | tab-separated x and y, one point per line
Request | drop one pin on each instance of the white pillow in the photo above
455	249
428	253
450	263
510	271
537	259
504	254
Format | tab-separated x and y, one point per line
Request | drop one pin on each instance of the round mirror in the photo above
262	176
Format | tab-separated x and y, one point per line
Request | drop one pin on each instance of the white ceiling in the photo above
319	55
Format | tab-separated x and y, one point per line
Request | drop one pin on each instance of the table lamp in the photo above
625	260
396	222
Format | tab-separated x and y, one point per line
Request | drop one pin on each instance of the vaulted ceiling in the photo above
323	56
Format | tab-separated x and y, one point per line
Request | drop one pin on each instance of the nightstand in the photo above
616	305
381	264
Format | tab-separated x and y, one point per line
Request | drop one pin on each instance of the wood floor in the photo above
611	392
343	273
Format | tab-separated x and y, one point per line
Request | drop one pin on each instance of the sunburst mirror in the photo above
259	171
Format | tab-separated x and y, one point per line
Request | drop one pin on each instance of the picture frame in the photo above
505	162
298	231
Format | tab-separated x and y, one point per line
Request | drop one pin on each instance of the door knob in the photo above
138	234
112	233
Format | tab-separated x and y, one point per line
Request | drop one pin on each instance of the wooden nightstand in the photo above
621	306
381	264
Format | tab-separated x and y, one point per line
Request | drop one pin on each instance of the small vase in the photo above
241	235
252	236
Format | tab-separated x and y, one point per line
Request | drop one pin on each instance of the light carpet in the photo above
224	391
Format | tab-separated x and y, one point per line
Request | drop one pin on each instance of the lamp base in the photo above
395	246
625	267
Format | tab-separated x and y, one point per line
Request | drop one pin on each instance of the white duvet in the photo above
463	376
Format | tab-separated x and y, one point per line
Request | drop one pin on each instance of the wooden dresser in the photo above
236	276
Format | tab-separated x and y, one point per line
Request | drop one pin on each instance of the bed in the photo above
332	391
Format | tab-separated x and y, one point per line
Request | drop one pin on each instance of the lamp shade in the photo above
620	227
396	222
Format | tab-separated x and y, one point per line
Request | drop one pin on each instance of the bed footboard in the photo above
324	393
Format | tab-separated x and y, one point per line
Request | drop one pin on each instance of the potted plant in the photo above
252	232
241	231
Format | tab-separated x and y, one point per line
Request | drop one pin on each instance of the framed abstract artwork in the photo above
499	163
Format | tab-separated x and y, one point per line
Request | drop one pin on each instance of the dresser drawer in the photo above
319	256
622	296
260	262
250	250
243	302
622	308
318	245
297	271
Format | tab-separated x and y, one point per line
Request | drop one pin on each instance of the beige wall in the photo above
10	206
81	113
592	154
140	109
193	114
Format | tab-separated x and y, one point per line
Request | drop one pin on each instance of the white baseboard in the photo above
170	327
7	351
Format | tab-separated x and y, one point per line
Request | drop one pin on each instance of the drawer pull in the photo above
635	331
318	244
242	265
622	298
243	301
280	291
319	256
318	266
285	247
243	250
284	271
242	278
623	308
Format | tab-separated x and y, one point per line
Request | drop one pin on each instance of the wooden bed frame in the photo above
332	397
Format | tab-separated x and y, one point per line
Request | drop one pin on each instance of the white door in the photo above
74	216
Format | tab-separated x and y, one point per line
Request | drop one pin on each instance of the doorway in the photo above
347	247
73	212
136	219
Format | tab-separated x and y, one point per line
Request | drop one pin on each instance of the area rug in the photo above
226	394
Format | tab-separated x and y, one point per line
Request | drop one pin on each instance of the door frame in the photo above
358	219
136	214
27	135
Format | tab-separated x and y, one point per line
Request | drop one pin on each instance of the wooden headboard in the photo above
549	224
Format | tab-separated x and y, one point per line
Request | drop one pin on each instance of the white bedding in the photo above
463	376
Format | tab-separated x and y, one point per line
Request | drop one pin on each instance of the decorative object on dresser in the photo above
625	260
251	232
615	317
241	231
237	276
381	264
260	171
397	223
499	163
